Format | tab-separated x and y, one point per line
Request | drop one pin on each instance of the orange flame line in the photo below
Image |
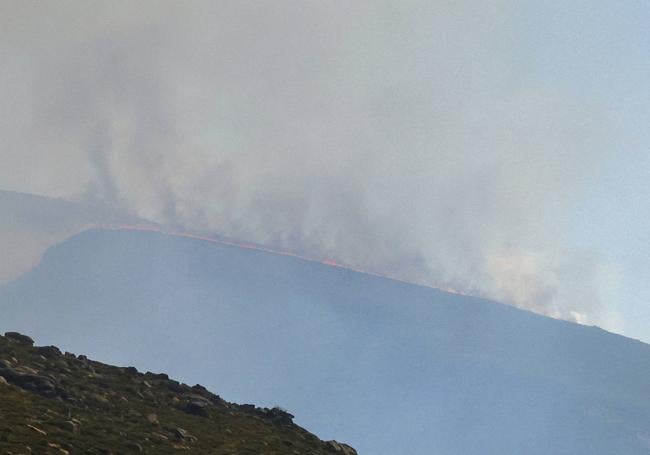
255	247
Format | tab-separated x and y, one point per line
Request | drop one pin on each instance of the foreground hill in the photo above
385	366
61	403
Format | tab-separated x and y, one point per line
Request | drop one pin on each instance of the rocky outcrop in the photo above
54	402
340	448
19	338
28	379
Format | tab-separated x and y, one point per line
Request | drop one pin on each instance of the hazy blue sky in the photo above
498	147
601	50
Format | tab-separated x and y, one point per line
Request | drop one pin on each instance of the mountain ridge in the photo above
439	373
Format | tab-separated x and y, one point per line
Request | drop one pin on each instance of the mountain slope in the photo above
61	403
402	368
30	224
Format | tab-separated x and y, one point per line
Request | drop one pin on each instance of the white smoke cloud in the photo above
403	138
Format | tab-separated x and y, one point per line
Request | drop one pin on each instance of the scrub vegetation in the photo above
59	403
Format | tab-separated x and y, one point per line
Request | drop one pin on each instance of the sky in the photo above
498	148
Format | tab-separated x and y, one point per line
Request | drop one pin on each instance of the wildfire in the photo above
332	263
255	247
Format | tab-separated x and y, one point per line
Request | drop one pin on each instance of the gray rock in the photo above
337	447
19	338
183	435
48	351
280	416
197	408
158	376
40	384
69	426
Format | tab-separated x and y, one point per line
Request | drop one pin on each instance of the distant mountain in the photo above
60	403
21	209
29	224
389	367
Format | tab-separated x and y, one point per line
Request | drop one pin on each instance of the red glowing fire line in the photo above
252	246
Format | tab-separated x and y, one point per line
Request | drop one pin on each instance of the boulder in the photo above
131	370
183	435
158	376
48	351
197	408
19	338
279	415
40	384
337	447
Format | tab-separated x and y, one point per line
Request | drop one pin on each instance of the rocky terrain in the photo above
59	403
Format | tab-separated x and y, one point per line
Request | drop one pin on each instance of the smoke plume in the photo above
408	138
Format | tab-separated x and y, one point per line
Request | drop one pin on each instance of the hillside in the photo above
54	402
30	224
346	352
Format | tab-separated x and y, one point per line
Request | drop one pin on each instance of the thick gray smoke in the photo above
403	137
